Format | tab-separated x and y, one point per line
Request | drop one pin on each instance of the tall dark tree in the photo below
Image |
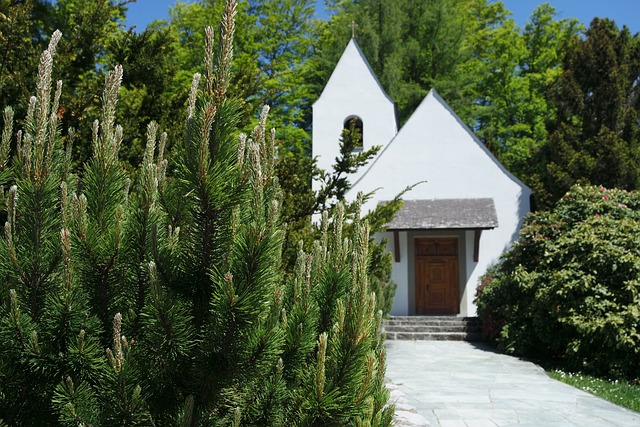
148	90
88	27
595	135
94	36
21	29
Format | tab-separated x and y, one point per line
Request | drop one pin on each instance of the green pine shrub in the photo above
301	204
568	290
159	297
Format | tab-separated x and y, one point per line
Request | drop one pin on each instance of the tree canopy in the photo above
594	135
522	90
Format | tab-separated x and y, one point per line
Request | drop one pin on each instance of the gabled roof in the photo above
352	54
445	214
413	132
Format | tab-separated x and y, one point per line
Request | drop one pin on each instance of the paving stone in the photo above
519	394
480	423
469	384
476	414
452	423
405	415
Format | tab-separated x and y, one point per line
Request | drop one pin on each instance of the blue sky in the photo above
624	12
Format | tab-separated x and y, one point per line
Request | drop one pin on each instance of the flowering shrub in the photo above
569	289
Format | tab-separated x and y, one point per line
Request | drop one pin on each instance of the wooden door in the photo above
437	283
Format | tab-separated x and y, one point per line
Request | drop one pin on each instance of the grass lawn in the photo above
619	392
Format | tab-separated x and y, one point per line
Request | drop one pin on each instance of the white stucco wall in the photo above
474	271
435	146
352	89
400	272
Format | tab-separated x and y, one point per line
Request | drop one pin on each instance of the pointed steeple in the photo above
352	92
354	68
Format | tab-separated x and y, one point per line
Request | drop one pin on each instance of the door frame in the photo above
411	264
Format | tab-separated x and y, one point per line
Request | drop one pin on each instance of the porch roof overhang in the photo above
445	214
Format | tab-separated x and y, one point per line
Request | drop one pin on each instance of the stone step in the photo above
423	319
450	328
435	336
432	322
432	328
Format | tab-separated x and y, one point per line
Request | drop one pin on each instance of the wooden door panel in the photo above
440	295
437	287
421	285
448	246
443	246
426	247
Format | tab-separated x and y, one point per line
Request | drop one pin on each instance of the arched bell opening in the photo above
355	122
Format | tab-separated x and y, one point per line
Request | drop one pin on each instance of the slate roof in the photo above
441	214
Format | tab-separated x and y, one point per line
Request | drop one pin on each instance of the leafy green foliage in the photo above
178	277
505	83
595	136
568	290
17	23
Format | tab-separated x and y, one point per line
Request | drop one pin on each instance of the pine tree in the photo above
161	300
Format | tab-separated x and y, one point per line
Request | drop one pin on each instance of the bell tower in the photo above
352	94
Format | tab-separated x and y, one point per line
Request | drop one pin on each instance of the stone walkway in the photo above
453	384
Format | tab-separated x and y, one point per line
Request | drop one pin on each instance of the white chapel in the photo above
455	224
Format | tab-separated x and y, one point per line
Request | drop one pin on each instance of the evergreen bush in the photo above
568	289
161	300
